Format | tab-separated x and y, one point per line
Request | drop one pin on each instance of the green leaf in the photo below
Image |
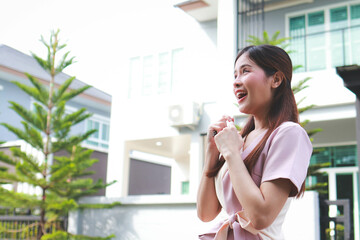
62	89
99	205
35	166
73	93
34	136
17	131
41	115
43	63
43	91
33	92
7	159
26	114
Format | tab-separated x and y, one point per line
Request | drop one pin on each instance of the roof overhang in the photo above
206	10
201	10
351	77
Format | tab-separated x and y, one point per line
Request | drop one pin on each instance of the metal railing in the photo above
336	227
336	47
21	224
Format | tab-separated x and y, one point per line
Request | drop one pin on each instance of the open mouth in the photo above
241	95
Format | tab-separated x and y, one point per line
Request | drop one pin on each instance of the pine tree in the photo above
321	188
62	180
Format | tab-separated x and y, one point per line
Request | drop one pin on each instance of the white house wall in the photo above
148	117
163	218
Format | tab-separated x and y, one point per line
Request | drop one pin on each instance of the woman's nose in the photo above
237	83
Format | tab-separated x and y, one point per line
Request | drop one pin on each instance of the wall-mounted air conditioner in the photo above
184	115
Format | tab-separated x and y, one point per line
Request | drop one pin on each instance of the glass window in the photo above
338	17
315	41
297	34
134	76
164	73
185	187
355	33
101	137
337	156
339	36
326	39
155	74
177	66
148	75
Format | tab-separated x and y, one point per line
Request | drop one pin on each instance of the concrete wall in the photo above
164	217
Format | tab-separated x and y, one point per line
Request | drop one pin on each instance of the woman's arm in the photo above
261	205
208	206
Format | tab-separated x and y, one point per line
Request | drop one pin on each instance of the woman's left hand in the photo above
228	140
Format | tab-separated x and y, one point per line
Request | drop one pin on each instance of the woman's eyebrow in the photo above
242	66
245	65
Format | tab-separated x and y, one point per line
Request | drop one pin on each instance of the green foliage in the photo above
61	235
274	40
62	179
340	232
298	87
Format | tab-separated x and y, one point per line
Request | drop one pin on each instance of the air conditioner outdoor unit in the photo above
184	115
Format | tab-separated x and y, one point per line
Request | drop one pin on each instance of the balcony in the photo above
326	49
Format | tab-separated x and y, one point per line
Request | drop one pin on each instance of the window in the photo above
164	84
325	39
155	74
101	137
337	156
135	77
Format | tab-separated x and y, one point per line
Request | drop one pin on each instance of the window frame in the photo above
327	28
157	84
102	120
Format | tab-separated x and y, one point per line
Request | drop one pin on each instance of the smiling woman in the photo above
264	166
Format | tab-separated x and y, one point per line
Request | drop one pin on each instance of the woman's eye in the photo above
245	70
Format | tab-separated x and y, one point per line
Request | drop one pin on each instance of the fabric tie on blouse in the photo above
236	222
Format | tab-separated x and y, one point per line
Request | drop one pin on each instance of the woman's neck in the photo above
260	124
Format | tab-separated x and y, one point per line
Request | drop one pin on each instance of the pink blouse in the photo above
286	155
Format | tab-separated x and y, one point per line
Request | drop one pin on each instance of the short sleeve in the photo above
288	156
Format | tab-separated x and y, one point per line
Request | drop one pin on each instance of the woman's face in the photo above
252	88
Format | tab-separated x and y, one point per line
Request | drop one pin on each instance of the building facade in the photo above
179	80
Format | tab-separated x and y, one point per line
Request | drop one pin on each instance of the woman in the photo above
254	174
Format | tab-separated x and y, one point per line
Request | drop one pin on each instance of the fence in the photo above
21	224
337	227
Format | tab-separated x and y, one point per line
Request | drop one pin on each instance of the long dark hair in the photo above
273	60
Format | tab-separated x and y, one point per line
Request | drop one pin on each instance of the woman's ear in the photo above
277	79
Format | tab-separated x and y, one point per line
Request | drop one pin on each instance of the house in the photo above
13	66
179	81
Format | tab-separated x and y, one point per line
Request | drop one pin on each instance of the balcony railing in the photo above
326	49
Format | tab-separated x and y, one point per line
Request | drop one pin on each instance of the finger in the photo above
226	118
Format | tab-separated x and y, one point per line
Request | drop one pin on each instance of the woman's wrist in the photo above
211	159
231	155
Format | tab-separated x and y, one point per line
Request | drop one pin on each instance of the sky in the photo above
99	33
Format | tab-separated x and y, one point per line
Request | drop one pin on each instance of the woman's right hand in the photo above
214	129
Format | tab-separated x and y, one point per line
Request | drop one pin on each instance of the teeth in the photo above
240	94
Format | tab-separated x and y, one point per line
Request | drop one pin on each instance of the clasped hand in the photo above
228	140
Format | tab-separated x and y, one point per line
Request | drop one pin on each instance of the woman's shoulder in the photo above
290	129
289	126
